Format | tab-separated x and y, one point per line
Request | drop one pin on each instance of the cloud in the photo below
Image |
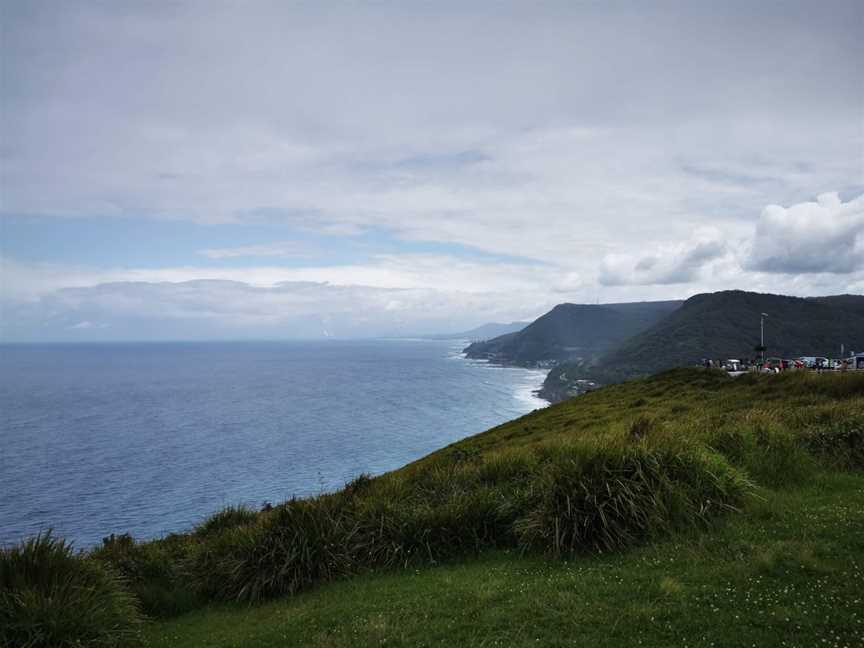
825	237
85	325
391	294
537	133
810	237
555	134
208	309
679	263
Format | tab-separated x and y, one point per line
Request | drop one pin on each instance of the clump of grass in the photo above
155	572
671	586
228	517
507	467
642	427
359	485
607	497
731	443
776	457
413	531
51	596
840	445
296	544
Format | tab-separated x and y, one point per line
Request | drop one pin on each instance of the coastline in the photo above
528	393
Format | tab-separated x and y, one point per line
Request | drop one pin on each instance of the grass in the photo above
52	596
596	483
788	573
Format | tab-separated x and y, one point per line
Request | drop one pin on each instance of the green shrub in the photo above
50	596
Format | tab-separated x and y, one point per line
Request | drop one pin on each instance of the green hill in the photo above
726	325
572	332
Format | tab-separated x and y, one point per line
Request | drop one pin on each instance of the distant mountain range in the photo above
613	342
572	332
483	332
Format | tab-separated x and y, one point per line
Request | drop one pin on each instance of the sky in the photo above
226	170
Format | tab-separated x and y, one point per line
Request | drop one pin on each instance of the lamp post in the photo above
762	336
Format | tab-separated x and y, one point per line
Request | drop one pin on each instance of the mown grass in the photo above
622	467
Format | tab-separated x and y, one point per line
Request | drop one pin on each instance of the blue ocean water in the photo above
150	438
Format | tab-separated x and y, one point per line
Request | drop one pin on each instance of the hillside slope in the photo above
572	332
726	325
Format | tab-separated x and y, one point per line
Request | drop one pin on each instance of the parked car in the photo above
732	365
815	362
773	365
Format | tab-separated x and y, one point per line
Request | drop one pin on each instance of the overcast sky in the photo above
224	169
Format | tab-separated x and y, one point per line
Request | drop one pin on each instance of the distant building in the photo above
858	361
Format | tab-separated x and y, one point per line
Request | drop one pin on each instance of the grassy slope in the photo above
788	570
689	402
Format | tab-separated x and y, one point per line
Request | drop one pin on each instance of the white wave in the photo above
525	394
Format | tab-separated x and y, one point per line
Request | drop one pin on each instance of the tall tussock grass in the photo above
552	499
156	572
228	518
296	544
608	497
53	597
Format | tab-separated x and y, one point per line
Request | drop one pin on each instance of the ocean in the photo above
150	438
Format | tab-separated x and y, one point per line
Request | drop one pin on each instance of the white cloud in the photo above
811	237
528	134
676	263
801	248
415	293
219	309
626	149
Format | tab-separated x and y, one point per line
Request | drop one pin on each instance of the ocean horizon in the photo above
150	438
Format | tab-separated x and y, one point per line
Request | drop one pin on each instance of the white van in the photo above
815	362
